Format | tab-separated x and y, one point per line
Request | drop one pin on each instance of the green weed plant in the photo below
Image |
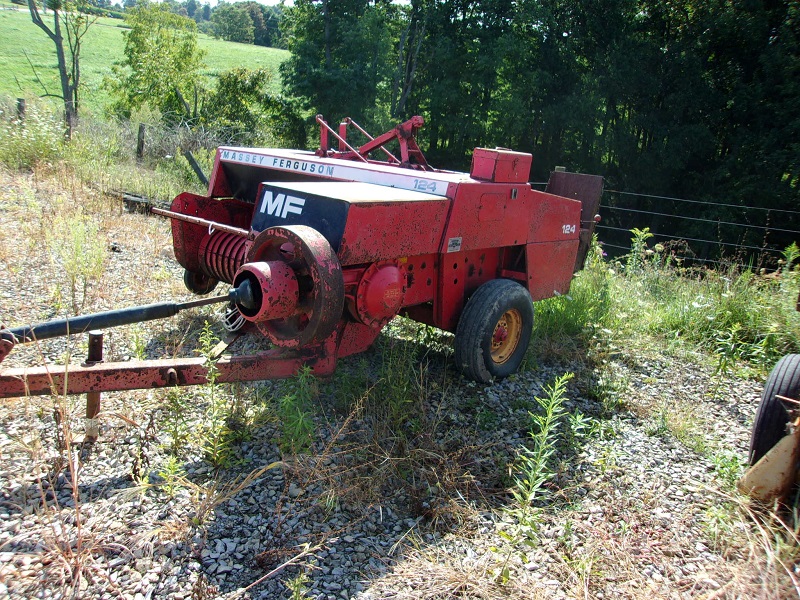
295	412
534	465
26	142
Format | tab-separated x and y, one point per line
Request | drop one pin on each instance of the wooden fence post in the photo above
140	142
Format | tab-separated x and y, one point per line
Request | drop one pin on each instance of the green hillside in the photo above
28	58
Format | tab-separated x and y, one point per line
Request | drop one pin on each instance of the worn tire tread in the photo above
471	332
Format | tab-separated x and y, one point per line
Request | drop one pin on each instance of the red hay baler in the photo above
323	249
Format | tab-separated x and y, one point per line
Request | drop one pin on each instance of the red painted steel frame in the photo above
146	374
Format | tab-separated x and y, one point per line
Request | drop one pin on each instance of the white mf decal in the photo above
281	205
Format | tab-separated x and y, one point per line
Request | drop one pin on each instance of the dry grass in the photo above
431	573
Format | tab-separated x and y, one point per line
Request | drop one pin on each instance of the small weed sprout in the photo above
295	412
79	249
728	467
172	473
177	425
298	586
533	464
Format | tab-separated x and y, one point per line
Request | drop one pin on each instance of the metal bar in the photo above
111	318
212	225
391	156
132	375
94	356
322	122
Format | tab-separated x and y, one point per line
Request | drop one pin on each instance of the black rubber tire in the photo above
476	327
769	425
198	283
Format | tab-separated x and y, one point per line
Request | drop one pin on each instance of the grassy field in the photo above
28	58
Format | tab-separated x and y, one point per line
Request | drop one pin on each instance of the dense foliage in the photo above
678	97
161	63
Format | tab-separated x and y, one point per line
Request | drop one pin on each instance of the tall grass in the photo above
29	141
732	313
566	324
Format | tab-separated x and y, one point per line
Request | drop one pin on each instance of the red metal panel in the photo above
501	166
487	215
550	268
392	230
460	274
554	218
356	338
421	278
586	188
218	184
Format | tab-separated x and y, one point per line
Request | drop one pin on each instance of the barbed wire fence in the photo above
697	231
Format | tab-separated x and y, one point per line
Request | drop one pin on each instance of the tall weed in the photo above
534	468
77	246
34	139
565	323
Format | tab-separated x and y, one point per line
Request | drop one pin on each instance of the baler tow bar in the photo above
129	375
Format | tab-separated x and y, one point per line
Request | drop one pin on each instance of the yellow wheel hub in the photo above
506	335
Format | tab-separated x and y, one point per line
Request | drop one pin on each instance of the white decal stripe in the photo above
433	185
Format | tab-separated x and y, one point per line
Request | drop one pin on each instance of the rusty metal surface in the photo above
187	237
93	398
488	215
6	346
273	364
221	254
321	284
550	268
589	190
392	230
380	293
277	287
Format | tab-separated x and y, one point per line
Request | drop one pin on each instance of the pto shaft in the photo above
242	295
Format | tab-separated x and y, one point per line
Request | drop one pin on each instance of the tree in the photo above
233	23
342	55
248	114
162	62
68	19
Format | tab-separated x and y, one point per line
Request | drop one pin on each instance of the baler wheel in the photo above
320	280
769	425
494	330
199	283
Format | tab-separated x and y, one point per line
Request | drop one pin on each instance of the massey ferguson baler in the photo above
322	249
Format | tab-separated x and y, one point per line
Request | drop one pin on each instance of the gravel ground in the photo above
637	507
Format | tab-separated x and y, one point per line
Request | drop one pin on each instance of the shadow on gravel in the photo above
406	452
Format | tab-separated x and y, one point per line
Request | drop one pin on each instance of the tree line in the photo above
246	22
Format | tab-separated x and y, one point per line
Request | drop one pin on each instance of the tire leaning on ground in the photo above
494	330
769	425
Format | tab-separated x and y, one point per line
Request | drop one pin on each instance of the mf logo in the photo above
280	205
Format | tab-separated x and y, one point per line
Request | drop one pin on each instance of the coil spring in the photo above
221	254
